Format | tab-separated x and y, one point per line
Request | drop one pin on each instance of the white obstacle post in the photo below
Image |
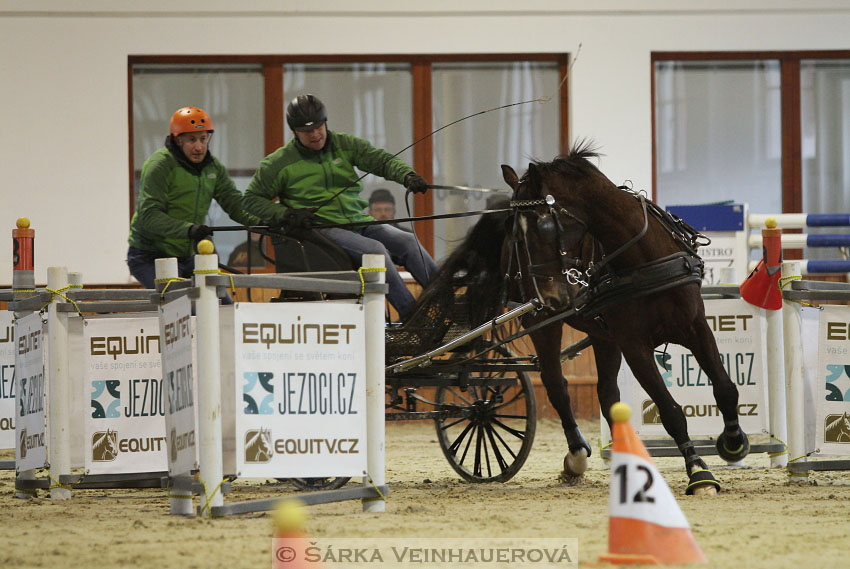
776	382
374	306
179	496
792	316
23	286
209	381
59	422
775	351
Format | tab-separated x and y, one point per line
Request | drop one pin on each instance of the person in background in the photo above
382	207
177	186
314	179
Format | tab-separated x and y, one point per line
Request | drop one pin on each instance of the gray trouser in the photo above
398	248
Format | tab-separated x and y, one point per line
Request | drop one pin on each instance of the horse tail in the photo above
477	263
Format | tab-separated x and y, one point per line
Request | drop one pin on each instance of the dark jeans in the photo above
142	266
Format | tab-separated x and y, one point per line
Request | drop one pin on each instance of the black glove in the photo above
415	183
198	232
298	218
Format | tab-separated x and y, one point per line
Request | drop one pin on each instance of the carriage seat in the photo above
306	252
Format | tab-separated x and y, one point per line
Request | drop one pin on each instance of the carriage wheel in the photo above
314	484
491	442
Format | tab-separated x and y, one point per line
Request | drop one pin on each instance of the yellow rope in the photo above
167	282
207	496
362	270
381	495
24	290
180	496
168	493
58	292
57	484
785	281
784	446
217	272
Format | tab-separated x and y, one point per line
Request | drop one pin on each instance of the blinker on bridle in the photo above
557	234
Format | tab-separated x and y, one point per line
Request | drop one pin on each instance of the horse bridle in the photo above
522	207
573	269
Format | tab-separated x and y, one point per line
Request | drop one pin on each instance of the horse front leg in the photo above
608	356
700	479
732	444
547	343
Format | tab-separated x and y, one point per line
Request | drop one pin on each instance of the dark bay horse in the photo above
623	272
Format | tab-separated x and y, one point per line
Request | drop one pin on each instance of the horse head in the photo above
549	239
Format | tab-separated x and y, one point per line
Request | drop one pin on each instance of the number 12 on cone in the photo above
638	491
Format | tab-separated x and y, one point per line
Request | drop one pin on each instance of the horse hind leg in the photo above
700	479
732	444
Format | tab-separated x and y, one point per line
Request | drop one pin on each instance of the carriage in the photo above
573	249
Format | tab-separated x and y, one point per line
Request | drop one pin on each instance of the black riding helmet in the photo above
305	112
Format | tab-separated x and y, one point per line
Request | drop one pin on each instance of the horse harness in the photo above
599	284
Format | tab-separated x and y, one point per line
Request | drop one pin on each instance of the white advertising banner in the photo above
30	440
719	255
125	427
832	435
740	331
7	380
177	331
300	375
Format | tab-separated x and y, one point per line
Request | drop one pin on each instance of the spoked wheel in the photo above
492	439
314	484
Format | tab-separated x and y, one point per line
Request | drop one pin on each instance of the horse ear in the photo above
510	176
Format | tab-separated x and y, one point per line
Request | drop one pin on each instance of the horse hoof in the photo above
705	490
737	452
570	479
702	483
575	463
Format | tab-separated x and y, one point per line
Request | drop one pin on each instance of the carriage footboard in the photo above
425	359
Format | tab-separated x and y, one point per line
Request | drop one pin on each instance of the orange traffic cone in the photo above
761	287
289	550
646	525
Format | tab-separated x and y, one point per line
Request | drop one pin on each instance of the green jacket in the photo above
175	194
301	177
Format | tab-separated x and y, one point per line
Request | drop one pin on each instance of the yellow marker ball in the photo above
206	247
770	223
620	412
23	223
290	516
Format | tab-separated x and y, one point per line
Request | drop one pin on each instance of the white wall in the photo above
63	81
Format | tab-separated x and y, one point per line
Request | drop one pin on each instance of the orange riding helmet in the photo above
190	119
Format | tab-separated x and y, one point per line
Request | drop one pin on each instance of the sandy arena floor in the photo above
757	521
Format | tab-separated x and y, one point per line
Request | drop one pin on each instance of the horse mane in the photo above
475	264
573	165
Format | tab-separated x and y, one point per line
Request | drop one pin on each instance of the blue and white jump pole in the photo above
734	234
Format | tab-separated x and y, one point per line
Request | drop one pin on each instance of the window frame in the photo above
791	124
421	69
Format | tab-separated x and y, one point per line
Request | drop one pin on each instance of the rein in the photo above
267	230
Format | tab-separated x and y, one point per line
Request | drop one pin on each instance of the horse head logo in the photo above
23	444
837	428
104	446
173	446
649	413
258	446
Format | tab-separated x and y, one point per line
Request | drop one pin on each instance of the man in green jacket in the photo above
177	186
313	176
